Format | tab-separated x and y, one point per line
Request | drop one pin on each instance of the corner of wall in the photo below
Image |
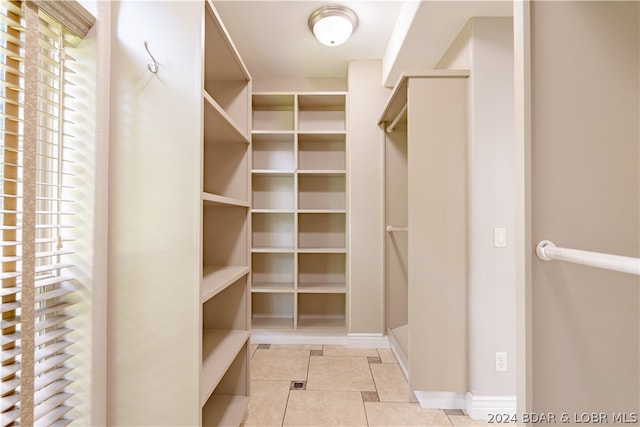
365	164
400	30
458	55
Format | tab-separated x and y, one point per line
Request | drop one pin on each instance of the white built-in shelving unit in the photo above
299	211
226	225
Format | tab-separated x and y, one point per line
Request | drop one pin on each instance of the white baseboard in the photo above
351	340
440	399
368	340
479	407
284	337
401	357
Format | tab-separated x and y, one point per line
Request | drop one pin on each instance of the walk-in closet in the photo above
309	229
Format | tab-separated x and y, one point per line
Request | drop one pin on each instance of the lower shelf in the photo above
334	323
323	310
219	350
271	322
224	410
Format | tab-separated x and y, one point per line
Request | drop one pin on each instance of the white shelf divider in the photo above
272	287
311	211
322	250
322	288
273	250
321	172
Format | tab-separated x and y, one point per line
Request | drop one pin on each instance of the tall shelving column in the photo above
226	225
322	211
299	251
273	213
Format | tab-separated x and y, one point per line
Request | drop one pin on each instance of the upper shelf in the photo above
304	112
273	112
222	60
219	126
398	98
322	101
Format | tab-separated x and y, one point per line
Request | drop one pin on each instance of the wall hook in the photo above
153	68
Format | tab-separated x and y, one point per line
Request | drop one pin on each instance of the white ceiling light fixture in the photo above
332	25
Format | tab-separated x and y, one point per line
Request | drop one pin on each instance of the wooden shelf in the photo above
216	200
321	230
283	211
222	60
320	211
321	113
260	134
273	272
273	172
324	134
322	250
322	271
224	410
321	310
273	310
215	279
219	349
272	250
322	288
272	287
273	191
322	323
273	151
321	172
273	112
322	190
273	230
279	323
219	127
225	295
299	190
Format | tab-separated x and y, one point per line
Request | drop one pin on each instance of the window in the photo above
39	176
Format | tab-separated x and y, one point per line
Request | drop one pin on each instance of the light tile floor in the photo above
331	385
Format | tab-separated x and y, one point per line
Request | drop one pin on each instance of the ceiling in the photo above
275	42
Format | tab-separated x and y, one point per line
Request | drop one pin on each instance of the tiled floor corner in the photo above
332	385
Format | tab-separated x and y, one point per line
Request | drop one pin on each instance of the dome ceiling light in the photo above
333	24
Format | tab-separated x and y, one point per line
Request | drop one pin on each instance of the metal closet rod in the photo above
547	251
395	121
391	229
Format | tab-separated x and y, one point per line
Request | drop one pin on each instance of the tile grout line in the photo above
373	377
364	406
286	405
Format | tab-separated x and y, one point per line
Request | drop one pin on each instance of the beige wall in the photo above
155	203
89	402
585	186
367	98
298	84
485	46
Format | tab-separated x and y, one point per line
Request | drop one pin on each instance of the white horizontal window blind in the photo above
12	60
38	217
